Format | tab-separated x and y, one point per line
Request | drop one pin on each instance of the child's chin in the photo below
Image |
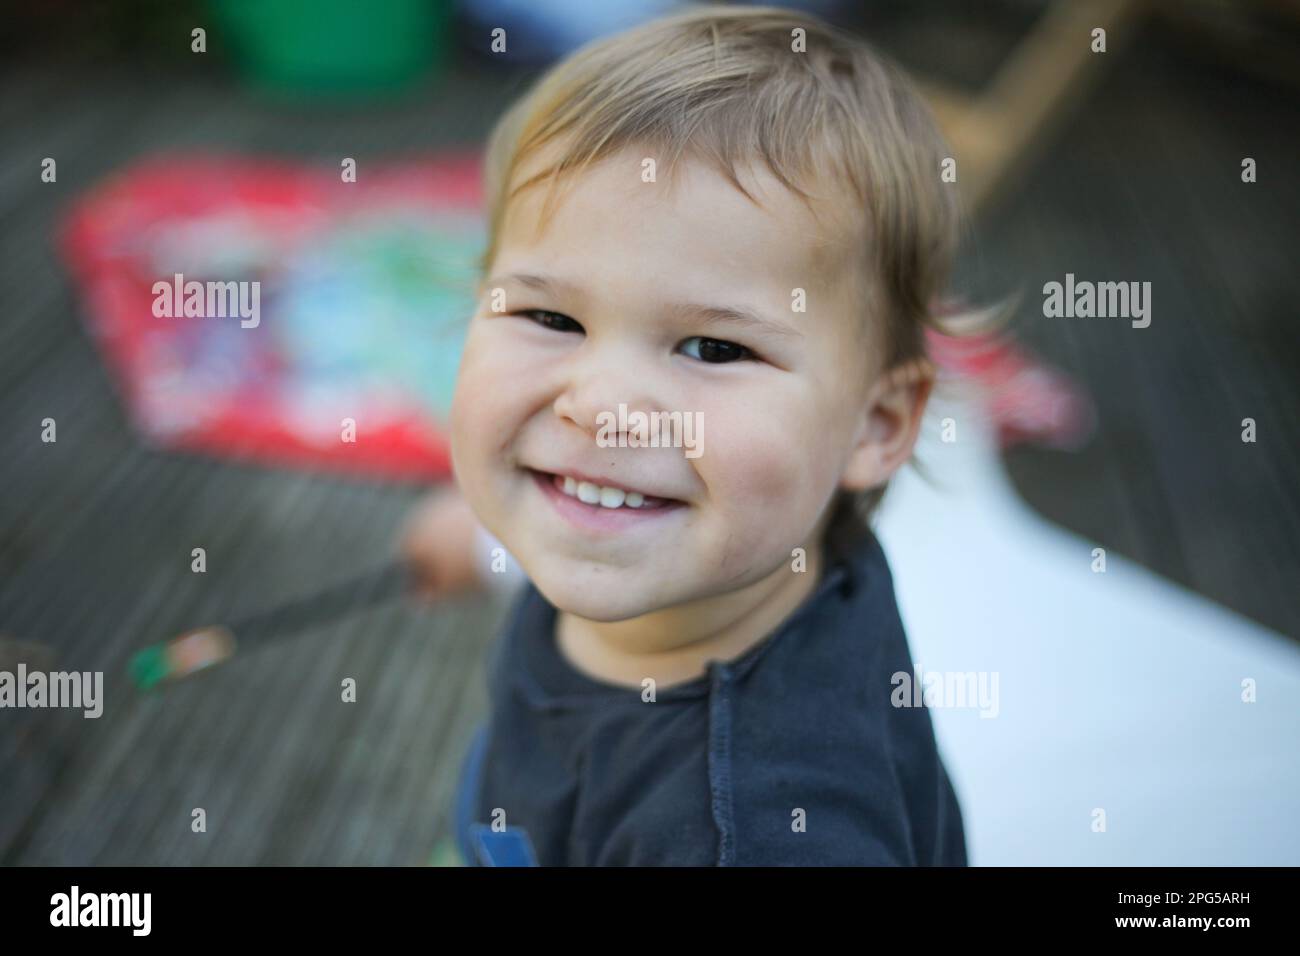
614	602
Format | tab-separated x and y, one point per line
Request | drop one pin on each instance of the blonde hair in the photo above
727	86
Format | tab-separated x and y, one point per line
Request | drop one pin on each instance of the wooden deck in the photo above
96	530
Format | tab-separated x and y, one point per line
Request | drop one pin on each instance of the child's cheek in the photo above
480	412
760	475
489	382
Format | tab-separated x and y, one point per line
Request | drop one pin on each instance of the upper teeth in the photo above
593	494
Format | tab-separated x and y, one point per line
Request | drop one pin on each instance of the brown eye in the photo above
715	351
552	320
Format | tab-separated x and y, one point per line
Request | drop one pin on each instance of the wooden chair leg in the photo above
995	133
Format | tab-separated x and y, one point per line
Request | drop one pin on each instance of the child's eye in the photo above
715	351
552	320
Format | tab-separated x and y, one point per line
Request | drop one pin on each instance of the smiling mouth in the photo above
602	497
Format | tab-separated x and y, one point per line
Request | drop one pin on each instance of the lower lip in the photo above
596	518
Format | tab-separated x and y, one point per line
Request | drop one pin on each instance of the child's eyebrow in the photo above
540	283
726	315
732	316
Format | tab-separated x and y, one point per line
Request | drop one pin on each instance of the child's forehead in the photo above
690	210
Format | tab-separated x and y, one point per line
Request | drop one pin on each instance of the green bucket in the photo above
335	47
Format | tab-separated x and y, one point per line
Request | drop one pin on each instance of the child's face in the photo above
640	278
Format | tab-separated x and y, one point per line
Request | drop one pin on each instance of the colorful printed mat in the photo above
365	289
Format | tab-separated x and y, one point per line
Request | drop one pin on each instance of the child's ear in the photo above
892	421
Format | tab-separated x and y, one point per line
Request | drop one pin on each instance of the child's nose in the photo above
595	387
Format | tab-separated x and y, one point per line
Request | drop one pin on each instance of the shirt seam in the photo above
720	784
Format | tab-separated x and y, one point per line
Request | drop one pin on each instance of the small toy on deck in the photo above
200	648
181	656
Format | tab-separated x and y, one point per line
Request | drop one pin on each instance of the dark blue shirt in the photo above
790	754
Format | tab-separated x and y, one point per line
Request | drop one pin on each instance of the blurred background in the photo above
225	154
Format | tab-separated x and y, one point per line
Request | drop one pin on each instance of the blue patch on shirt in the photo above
508	847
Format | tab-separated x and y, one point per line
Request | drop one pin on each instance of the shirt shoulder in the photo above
823	768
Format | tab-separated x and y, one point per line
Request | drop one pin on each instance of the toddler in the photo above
732	217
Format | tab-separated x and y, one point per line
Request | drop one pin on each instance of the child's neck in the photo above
675	644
